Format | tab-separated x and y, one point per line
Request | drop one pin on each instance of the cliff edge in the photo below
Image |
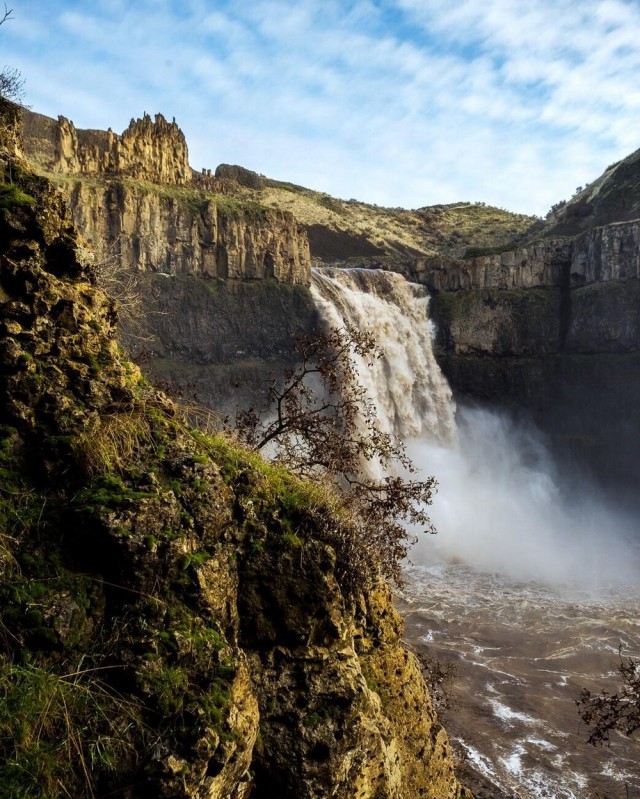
137	202
177	618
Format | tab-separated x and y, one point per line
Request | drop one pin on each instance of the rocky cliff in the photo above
150	150
177	618
136	201
221	342
154	228
552	329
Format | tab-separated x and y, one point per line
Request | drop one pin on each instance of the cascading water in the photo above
412	396
530	589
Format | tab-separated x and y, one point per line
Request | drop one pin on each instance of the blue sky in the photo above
397	102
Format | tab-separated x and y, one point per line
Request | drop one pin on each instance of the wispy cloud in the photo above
400	102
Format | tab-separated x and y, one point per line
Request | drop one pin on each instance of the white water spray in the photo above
501	504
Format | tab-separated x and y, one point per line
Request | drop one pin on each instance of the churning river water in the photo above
523	652
532	585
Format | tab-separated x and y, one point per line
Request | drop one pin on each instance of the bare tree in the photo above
605	713
11	81
322	425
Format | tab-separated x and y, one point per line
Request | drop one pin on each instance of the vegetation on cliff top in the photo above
611	198
447	230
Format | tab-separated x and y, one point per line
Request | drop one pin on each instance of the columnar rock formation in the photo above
137	200
555	285
150	150
152	228
599	255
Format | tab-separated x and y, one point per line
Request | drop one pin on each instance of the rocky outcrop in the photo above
138	205
577	296
611	198
240	175
609	253
179	619
600	255
148	149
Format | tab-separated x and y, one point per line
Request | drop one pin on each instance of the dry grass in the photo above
435	230
58	731
111	442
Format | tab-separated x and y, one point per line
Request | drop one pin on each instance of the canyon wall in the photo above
552	329
220	284
135	200
220	342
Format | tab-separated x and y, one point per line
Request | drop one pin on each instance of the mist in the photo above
504	506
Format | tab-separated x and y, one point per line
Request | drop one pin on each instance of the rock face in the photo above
149	150
178	617
224	340
554	329
540	264
136	201
154	229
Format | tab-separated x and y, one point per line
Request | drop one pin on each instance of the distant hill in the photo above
342	229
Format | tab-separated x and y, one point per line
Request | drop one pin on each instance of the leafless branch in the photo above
605	712
321	424
7	14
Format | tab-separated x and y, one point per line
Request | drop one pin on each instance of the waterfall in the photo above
532	579
412	396
502	503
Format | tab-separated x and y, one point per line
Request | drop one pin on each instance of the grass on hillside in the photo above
448	230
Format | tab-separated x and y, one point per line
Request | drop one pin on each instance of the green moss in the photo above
12	196
204	641
291	540
195	559
170	688
107	491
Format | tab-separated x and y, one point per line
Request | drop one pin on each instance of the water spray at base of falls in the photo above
502	504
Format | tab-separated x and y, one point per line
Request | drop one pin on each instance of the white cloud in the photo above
400	102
